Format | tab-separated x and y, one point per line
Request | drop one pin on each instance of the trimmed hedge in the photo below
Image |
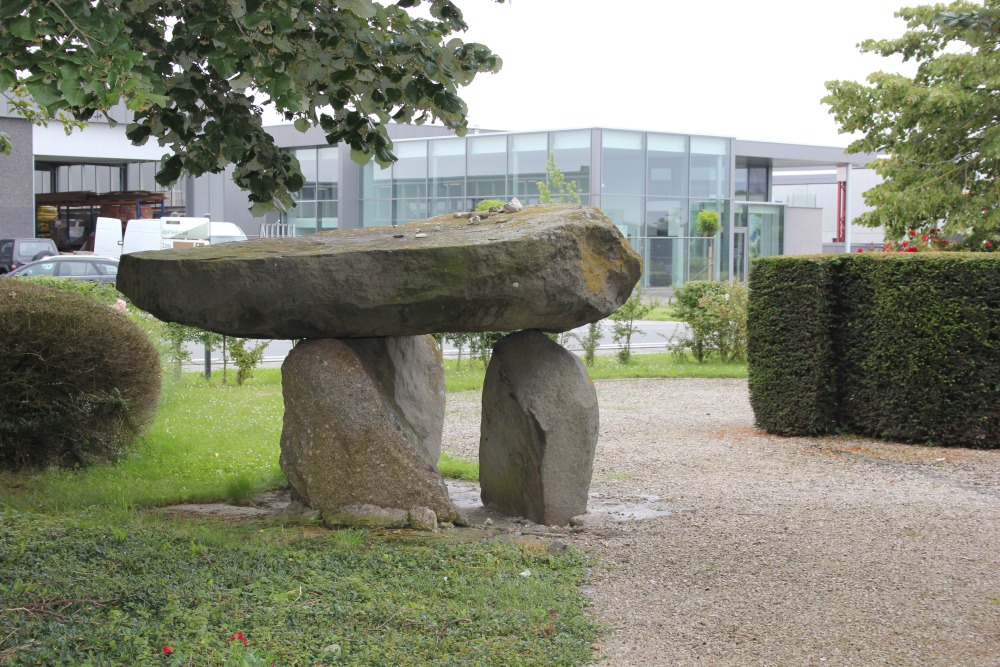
78	381
790	355
900	346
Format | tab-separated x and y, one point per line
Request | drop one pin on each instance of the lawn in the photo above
91	574
606	366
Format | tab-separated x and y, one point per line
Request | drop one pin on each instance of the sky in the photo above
748	69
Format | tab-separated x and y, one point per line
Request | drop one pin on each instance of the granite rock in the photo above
347	442
539	430
548	267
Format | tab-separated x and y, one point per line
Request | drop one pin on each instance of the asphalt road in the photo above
651	337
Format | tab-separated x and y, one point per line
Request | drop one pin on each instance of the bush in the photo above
716	314
901	346
487	204
78	381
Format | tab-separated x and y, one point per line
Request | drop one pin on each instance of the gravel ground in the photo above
779	551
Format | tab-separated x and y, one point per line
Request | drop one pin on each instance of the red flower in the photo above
239	635
167	650
987	243
913	232
912	248
924	237
861	249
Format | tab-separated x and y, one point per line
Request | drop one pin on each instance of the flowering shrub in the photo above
914	242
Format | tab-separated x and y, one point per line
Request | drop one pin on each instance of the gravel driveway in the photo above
779	551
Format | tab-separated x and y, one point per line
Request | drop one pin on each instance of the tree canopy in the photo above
938	131
192	71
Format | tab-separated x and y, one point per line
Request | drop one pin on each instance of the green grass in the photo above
662	314
455	468
607	367
80	592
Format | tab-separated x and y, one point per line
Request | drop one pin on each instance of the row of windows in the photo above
316	206
504	166
104	178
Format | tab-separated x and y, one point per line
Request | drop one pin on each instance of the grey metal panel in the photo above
348	189
17	197
596	170
803	179
796	155
286	136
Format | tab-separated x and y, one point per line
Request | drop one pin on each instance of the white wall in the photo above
98	142
803	231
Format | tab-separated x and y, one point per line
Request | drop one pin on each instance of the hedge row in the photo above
904	347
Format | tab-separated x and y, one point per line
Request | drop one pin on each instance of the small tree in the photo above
459	340
623	324
590	341
247	358
560	191
708	225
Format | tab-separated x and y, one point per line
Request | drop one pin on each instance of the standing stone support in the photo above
539	430
362	427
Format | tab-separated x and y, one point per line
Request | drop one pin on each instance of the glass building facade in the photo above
652	185
316	204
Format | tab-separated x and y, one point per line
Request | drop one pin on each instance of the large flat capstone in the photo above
548	267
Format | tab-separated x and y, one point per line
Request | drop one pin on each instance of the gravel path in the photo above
780	551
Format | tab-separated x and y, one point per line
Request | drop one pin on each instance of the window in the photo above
624	170
528	158
43	269
316	205
447	168
572	154
487	168
77	269
709	167
667	170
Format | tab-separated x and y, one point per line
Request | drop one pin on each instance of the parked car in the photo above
17	252
81	267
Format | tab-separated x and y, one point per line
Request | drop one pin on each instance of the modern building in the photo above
772	198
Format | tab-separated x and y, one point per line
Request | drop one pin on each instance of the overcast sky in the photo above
748	69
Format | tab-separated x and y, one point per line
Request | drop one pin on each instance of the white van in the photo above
160	234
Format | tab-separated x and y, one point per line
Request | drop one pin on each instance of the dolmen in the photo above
364	385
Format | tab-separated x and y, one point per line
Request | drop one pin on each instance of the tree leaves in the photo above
937	130
185	69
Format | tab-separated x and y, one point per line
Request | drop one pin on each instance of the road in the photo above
651	337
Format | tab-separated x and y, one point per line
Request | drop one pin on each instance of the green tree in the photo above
195	75
556	189
623	324
708	223
939	130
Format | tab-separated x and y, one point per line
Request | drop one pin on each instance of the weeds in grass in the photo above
239	489
453	467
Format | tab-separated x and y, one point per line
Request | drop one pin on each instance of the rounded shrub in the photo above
78	381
